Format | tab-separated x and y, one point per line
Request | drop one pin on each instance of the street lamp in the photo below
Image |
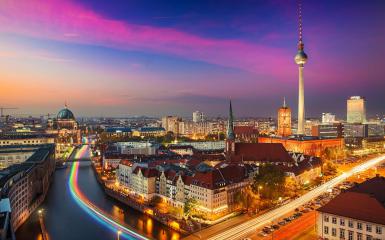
119	232
259	188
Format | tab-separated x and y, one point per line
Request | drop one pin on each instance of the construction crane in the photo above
5	108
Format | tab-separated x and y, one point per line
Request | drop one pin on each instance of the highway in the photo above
248	227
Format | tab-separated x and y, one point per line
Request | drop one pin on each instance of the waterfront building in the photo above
17	138
198	116
25	185
358	213
143	182
356	110
66	129
18	147
284	120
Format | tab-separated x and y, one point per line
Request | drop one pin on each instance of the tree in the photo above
269	182
189	205
329	169
247	198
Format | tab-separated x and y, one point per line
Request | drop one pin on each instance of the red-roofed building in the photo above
358	213
246	133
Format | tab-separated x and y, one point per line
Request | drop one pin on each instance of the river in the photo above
66	220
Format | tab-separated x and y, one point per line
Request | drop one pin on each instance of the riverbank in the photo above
176	224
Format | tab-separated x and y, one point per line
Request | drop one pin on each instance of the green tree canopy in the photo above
269	182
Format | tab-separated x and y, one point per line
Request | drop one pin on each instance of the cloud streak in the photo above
71	22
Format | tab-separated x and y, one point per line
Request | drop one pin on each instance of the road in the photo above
250	226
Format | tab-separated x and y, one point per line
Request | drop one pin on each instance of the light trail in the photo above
250	226
96	213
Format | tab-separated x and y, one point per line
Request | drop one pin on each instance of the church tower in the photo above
284	120
230	136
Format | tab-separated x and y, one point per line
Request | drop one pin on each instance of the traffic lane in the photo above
246	228
291	229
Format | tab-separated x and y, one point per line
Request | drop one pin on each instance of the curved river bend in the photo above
66	219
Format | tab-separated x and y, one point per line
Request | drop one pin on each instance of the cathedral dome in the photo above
65	114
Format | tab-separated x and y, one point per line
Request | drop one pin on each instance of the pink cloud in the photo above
70	22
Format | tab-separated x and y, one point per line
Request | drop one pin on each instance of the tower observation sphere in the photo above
301	57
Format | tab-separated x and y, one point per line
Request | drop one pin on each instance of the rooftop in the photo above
365	202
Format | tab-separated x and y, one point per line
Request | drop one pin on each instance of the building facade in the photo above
357	214
284	120
356	110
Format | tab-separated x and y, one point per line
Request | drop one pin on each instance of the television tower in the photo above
300	59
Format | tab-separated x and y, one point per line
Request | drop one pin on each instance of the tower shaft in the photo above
301	102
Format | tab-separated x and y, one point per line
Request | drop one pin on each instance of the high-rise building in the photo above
171	123
198	116
328	118
284	120
300	59
356	109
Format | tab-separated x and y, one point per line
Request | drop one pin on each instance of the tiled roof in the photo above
359	206
245	130
365	201
261	152
374	186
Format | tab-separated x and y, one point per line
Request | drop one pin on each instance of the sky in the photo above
141	57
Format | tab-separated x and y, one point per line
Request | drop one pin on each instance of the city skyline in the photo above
116	60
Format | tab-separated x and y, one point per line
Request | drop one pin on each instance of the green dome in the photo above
65	114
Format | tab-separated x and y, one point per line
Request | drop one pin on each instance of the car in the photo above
282	223
305	210
275	227
298	214
287	219
267	230
263	234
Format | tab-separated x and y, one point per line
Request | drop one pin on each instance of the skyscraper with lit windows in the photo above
356	110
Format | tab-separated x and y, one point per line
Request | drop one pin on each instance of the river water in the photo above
65	220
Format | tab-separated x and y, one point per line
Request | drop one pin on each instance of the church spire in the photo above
230	124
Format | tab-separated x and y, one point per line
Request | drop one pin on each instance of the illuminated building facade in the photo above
284	120
356	110
312	146
65	127
328	130
328	118
198	116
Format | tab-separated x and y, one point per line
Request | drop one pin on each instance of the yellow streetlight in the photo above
119	232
